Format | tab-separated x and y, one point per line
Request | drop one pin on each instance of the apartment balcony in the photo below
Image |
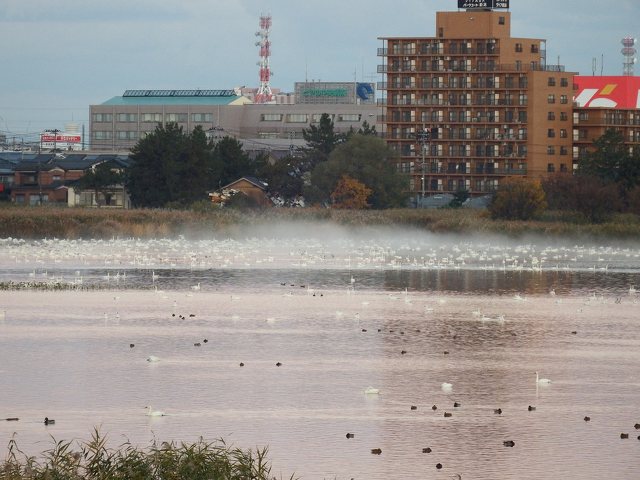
479	170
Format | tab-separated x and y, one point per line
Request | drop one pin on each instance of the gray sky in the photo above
59	57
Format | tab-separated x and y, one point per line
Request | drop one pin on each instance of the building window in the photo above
202	117
522	116
523	99
551	82
127	135
535	48
151	117
583	116
564	99
176	117
20	198
349	117
551	116
102	117
501	20
551	150
38	199
564	116
551	98
551	168
518	47
551	133
102	135
127	117
564	82
271	117
297	118
563	133
563	151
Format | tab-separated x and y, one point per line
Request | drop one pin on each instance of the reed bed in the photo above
95	460
205	222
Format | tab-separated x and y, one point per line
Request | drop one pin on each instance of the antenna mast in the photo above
629	53
264	94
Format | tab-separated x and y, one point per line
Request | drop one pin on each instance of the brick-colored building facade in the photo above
491	104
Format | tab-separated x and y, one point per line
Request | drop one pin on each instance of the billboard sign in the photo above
607	92
483	3
60	141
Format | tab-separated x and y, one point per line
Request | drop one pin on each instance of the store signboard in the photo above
483	3
607	92
60	141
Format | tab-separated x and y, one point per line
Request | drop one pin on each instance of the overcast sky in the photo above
59	57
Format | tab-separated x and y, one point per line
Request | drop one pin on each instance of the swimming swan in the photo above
372	391
154	413
542	381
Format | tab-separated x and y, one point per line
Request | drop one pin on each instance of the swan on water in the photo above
371	391
154	413
153	359
446	387
542	381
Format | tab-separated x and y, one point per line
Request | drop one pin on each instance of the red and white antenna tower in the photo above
264	94
629	52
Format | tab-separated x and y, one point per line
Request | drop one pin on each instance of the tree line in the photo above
352	170
607	181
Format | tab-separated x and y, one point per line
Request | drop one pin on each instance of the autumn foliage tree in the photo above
518	199
350	194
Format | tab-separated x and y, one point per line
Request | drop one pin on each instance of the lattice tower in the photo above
264	94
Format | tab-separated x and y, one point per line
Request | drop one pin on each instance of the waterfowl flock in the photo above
394	317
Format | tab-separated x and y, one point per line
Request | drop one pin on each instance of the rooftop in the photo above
178	97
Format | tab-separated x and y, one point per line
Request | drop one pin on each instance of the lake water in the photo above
341	313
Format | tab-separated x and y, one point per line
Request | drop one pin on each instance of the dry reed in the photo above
71	223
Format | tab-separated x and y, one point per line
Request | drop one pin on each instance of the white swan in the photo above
154	413
542	381
446	387
371	391
153	359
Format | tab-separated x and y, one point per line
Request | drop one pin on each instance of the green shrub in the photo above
94	460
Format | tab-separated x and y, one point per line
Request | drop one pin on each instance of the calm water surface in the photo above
338	315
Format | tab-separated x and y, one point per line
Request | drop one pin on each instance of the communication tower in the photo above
629	52
264	94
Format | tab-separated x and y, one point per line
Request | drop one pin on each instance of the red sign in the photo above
47	137
608	92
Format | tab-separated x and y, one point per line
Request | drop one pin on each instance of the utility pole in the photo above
55	132
423	137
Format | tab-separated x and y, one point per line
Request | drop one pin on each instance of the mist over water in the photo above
341	310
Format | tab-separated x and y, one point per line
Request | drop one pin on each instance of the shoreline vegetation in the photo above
95	460
204	221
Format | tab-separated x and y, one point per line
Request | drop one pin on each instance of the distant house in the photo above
111	196
252	187
52	179
8	164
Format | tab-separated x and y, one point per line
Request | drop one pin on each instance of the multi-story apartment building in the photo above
603	103
473	105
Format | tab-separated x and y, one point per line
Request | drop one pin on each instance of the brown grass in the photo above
42	222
